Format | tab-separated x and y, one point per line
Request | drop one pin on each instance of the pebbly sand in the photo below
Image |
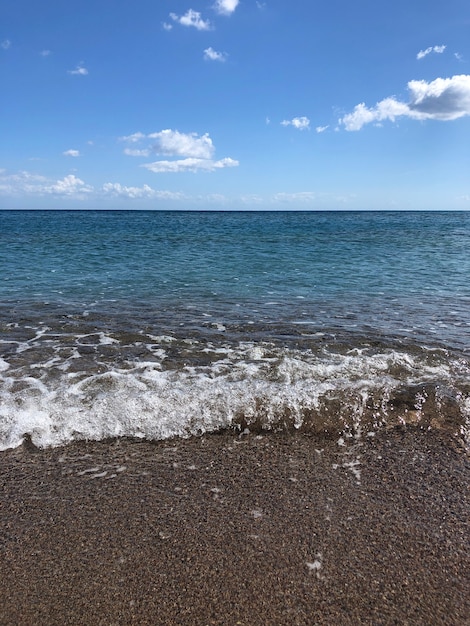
274	529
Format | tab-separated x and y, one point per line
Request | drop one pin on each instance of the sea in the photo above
155	324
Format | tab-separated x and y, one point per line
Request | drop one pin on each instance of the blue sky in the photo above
235	104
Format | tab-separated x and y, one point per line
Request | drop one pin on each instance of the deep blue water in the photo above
225	297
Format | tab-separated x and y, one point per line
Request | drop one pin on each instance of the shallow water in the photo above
155	324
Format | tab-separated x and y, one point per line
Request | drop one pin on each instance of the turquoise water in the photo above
223	318
158	253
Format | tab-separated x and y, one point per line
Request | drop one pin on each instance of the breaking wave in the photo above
165	387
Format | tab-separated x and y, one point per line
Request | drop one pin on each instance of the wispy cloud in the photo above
301	123
21	182
71	153
27	183
71	187
321	129
212	55
45	53
134	138
252	199
118	190
191	152
442	99
78	71
424	53
6	43
191	18
226	7
190	165
135	152
299	196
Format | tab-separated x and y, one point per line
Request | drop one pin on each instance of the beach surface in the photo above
253	529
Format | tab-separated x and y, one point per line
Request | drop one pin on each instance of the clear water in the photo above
155	324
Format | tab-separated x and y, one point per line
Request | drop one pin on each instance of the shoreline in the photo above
269	528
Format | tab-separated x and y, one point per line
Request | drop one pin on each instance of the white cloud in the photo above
424	53
217	198
134	138
252	199
299	196
321	129
167	26
386	109
22	182
118	190
45	53
191	18
190	165
78	71
191	152
26	183
301	123
71	153
136	152
212	55
226	7
6	43
173	143
70	185
443	99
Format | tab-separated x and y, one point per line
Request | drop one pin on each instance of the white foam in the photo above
253	382
316	565
106	340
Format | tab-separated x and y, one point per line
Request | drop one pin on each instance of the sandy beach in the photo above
225	529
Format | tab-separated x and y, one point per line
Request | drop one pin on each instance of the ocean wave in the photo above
68	395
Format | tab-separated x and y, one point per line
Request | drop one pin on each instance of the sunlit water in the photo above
155	324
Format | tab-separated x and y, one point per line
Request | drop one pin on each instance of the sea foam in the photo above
256	387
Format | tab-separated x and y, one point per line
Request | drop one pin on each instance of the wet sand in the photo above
274	529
